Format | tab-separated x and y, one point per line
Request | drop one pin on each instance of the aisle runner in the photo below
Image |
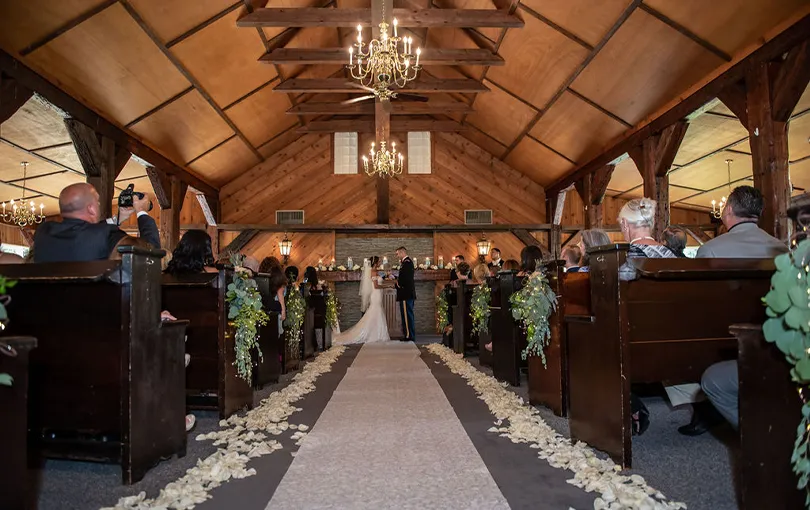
388	439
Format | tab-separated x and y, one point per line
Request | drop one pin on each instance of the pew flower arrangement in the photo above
479	308
332	310
441	311
788	326
246	313
5	379
532	305
296	308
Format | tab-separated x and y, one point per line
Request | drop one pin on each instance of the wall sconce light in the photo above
483	248
285	247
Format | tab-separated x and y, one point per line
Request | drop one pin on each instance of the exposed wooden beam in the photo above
28	78
422	18
210	208
686	32
733	96
368	126
791	81
397	108
101	158
240	241
161	185
697	97
12	97
697	234
429	57
340	85
381	228
170	218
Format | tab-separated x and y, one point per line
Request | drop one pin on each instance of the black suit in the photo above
74	240
499	264
406	295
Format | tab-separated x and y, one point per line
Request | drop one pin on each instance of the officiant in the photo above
406	295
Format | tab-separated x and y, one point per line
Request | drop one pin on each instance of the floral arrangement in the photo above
441	311
246	313
5	379
332	310
788	326
479	309
296	309
532	305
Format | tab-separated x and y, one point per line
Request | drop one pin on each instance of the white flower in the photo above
434	267
341	268
355	267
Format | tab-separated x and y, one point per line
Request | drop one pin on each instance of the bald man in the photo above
81	235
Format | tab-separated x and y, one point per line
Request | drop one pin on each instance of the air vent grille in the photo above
290	217
478	217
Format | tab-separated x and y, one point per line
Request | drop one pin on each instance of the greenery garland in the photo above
246	313
441	311
332	310
788	326
479	308
532	305
296	308
5	379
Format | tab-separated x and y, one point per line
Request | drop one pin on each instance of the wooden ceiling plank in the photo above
40	156
212	149
11	66
340	85
66	27
252	92
185	72
686	32
182	37
558	28
778	45
12	97
429	57
397	108
565	86
601	109
159	107
368	126
420	18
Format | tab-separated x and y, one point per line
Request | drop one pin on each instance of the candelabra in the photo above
21	213
379	65
717	209
384	163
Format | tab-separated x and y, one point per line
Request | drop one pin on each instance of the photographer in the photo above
81	235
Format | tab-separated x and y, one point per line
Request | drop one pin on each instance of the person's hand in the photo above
141	204
284	315
124	213
166	316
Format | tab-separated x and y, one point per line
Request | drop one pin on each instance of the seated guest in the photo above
571	255
278	287
480	273
80	236
674	238
530	257
590	238
458	259
192	255
462	273
495	258
310	285
743	239
511	265
637	220
292	275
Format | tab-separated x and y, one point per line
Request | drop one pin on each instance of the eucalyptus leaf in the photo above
798	296
778	300
783	262
802	370
6	380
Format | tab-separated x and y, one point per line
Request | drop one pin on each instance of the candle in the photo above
427	261
441	262
351	54
385	261
395	27
350	263
333	261
418	52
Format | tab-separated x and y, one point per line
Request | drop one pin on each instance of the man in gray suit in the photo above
744	239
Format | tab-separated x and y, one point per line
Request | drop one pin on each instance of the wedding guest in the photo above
480	273
530	256
571	255
458	259
192	255
674	238
462	272
495	258
278	286
511	265
268	263
590	238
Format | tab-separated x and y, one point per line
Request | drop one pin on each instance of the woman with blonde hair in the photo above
590	238
480	273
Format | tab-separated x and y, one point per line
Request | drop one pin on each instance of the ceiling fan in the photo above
385	97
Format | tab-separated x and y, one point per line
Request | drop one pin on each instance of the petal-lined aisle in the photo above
388	439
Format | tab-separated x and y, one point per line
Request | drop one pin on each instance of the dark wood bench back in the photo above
105	365
462	319
212	381
508	337
268	369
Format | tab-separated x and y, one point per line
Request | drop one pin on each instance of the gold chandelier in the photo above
717	209
21	213
381	65
384	163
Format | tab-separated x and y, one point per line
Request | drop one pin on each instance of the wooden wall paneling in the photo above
307	248
10	234
643	66
279	142
448	245
111	44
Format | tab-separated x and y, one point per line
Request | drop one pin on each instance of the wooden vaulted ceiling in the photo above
544	94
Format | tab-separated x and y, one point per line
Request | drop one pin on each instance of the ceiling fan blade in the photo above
359	86
357	99
412	97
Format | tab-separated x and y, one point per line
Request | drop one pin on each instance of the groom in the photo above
406	294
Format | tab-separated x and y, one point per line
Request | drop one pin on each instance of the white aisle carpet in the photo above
388	438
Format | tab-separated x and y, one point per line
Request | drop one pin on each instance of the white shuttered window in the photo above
419	152
345	153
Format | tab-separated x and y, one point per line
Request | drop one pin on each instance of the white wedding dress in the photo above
372	327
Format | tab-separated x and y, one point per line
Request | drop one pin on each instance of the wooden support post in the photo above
764	104
554	210
101	158
653	159
170	218
210	208
12	97
592	188
382	116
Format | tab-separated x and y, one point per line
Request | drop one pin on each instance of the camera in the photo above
127	197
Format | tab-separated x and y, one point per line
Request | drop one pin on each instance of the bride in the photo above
372	327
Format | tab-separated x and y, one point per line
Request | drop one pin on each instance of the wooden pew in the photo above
267	369
107	377
462	319
508	337
212	380
671	323
485	356
770	409
14	421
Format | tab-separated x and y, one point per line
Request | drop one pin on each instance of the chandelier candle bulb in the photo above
395	27
418	52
